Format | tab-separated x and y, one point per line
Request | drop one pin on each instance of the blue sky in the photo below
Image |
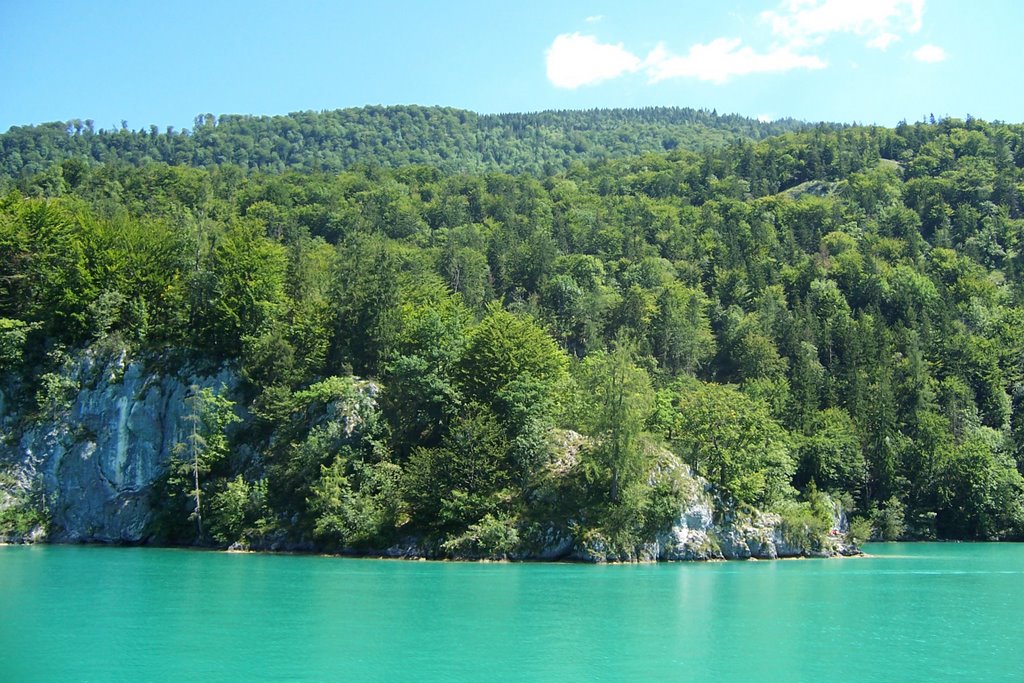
871	61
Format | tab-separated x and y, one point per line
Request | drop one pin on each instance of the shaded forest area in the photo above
825	310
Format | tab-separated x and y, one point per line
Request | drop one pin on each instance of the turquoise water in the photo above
925	612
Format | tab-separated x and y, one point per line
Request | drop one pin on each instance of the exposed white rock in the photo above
700	532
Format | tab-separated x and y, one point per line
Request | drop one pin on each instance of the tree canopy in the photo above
835	309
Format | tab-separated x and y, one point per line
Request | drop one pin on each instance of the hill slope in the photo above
835	311
451	139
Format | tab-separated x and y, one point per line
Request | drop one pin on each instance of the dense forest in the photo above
453	140
826	309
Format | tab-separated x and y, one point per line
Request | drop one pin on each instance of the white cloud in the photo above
722	59
810	22
574	60
883	41
594	18
797	27
930	54
765	118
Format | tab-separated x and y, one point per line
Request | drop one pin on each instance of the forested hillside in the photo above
837	310
452	140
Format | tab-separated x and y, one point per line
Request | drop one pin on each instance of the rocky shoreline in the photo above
94	465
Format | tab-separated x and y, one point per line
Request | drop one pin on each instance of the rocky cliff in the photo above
93	458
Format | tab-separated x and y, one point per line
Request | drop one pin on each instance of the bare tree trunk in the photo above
195	472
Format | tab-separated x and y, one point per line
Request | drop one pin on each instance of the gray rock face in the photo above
755	534
692	536
96	461
758	536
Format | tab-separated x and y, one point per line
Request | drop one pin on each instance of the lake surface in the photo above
912	612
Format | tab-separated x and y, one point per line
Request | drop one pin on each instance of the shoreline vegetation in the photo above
852	553
612	335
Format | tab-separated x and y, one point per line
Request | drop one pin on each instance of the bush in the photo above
493	537
239	512
888	522
13	334
21	513
357	504
803	527
860	530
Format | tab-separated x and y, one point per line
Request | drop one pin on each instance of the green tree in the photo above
421	394
241	291
734	442
981	493
365	298
505	350
458	483
830	455
13	334
335	418
356	504
204	447
239	512
618	402
681	336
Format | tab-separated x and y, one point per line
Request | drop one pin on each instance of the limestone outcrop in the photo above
94	459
